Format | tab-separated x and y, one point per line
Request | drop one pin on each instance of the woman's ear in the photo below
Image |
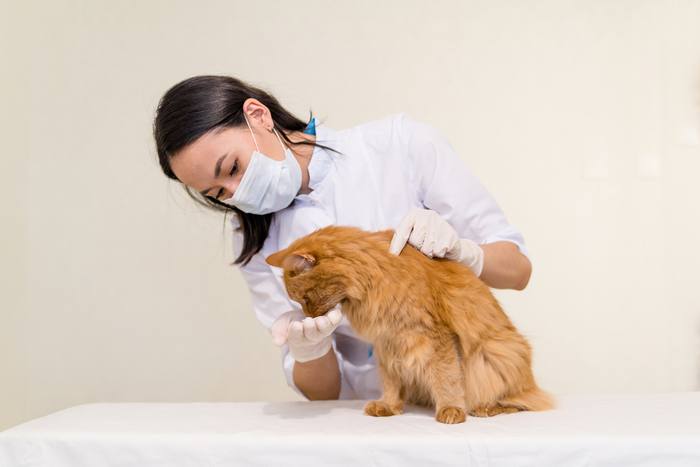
298	262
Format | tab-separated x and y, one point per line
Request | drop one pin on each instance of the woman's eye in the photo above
234	169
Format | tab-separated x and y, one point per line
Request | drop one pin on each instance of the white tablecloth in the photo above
585	430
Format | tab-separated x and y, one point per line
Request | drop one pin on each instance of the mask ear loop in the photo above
284	148
251	132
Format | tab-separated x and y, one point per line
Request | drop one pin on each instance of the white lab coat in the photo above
388	166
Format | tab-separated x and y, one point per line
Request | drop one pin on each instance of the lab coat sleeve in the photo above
446	185
269	301
268	304
346	391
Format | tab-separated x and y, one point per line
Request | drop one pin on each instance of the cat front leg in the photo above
446	381
391	402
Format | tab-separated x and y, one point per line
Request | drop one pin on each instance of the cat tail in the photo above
531	399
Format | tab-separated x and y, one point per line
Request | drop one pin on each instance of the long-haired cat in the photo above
440	337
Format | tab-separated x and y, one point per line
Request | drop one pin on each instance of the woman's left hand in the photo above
426	230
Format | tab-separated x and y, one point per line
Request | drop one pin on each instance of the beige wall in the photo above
581	118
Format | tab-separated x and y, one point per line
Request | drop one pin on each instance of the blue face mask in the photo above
267	185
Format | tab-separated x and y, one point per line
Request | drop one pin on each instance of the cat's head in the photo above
320	268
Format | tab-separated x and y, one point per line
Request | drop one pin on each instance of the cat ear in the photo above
276	259
299	262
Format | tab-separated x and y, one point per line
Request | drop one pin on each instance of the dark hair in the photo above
201	104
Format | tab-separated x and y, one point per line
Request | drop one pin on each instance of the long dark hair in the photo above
201	104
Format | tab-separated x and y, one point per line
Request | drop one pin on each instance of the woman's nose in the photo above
228	189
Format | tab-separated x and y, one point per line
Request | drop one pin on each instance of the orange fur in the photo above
441	338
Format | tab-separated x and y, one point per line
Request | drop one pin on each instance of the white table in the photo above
585	430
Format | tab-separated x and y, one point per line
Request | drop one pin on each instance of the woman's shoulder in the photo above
390	123
392	132
381	135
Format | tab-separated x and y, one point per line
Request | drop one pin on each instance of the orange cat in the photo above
440	336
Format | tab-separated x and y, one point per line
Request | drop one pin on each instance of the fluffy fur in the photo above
440	337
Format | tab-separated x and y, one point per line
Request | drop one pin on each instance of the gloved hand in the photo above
426	230
308	338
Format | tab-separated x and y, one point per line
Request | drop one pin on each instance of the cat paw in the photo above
491	411
381	409
480	412
450	415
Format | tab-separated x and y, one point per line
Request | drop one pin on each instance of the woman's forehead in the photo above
212	143
195	162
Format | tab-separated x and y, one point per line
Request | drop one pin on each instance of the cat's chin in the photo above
318	312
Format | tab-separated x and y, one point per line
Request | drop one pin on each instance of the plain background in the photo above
580	117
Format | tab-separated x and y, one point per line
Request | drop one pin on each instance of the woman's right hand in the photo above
308	338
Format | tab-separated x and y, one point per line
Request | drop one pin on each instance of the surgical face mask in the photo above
267	185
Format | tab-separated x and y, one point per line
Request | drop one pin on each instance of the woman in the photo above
235	148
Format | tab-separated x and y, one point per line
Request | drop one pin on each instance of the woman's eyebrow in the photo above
217	171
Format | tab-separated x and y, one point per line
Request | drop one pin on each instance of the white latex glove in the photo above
308	338
426	230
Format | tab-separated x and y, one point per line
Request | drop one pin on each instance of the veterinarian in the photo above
235	149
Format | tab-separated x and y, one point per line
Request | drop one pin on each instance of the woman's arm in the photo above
318	379
505	267
446	185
